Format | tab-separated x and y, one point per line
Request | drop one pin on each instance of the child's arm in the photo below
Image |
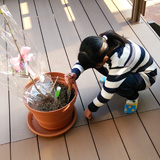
77	69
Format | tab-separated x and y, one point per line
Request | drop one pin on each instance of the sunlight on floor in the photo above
114	9
27	24
24	8
68	11
64	2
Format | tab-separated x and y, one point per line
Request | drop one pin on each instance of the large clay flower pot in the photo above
52	123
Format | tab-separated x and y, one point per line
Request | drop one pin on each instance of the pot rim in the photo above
73	99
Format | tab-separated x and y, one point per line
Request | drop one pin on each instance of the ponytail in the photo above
113	39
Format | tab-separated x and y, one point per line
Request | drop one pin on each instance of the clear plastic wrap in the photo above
20	62
48	96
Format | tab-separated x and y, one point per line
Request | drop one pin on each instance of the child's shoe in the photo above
103	79
131	106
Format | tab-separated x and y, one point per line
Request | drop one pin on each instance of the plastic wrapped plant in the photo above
51	110
20	60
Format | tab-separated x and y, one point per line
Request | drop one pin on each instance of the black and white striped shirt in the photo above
131	58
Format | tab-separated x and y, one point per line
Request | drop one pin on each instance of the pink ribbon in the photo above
19	65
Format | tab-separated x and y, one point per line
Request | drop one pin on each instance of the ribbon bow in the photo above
19	64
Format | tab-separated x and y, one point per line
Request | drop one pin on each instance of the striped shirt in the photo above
131	58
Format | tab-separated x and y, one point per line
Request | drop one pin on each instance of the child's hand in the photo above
88	113
70	78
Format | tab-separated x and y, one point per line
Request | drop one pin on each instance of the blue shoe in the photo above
103	79
131	106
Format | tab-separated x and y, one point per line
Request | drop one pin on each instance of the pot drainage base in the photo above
37	129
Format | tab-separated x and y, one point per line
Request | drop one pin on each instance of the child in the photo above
128	68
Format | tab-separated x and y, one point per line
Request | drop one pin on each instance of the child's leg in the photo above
129	89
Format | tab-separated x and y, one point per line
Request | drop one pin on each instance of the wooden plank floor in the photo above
56	28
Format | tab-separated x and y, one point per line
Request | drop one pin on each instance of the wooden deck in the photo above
57	28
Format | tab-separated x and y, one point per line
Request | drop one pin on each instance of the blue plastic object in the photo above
103	79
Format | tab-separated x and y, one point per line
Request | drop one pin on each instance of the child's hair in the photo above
94	48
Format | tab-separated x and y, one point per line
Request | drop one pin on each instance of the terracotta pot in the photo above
57	119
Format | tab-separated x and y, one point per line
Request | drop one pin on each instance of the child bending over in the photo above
128	68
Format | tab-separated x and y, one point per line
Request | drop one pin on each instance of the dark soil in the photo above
49	103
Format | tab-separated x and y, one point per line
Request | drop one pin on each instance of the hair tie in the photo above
104	45
105	37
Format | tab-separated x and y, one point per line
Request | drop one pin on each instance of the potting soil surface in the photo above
49	103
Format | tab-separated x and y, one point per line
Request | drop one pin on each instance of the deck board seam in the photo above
9	111
59	33
121	139
38	147
93	140
64	135
154	96
9	105
10	130
88	17
148	135
42	35
73	21
104	15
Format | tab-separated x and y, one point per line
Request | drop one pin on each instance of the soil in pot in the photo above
50	103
